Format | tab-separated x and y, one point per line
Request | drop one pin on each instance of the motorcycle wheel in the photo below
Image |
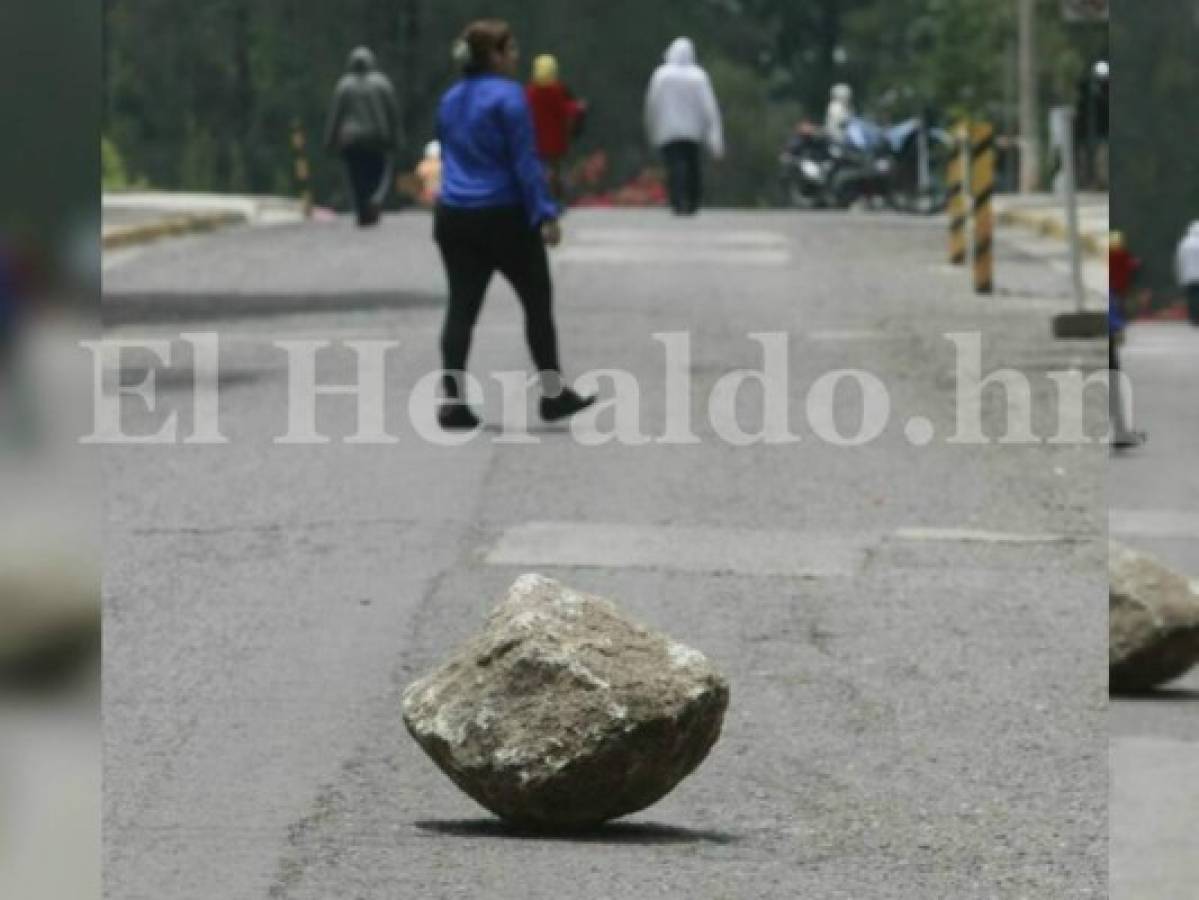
796	197
842	196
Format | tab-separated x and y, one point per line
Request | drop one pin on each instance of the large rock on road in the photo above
1153	622
562	713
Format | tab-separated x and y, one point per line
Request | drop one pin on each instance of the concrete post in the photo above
1030	145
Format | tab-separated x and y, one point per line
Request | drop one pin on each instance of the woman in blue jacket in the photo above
495	213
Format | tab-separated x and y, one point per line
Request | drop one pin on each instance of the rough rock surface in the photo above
562	713
1153	622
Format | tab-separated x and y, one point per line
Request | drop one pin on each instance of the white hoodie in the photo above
1188	257
680	104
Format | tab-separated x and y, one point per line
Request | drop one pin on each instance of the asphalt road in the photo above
926	719
1154	495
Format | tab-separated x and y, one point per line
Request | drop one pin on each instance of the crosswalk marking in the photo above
679	246
679	549
849	334
1153	523
1151	339
675	254
710	550
980	536
678	238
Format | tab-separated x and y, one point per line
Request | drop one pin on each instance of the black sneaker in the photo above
565	404
454	415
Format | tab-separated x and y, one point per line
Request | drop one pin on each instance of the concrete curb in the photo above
1050	226
171	226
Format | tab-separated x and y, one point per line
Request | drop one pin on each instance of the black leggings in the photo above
476	243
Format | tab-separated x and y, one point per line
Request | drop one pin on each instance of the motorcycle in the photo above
805	169
920	155
900	166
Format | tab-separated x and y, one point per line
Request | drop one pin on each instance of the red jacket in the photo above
555	112
1122	268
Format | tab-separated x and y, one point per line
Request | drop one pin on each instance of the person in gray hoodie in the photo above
681	116
364	128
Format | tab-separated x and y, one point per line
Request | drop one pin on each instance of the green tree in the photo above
203	95
1155	170
113	174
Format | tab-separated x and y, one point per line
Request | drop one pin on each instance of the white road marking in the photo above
979	536
676	255
679	549
1159	350
1154	523
834	335
681	246
639	237
1151	339
719	550
1154	805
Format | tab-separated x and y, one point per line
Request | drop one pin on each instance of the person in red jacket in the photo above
1122	268
557	116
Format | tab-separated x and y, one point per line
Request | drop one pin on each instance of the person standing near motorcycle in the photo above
839	113
681	117
364	128
494	214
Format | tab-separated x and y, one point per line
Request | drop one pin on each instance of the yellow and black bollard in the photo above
982	186
301	170
959	211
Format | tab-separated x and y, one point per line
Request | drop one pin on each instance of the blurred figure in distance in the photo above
681	116
1187	265
364	128
557	118
1122	271
428	174
840	111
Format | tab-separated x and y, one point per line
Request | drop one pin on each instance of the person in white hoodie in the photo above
681	117
1187	263
840	111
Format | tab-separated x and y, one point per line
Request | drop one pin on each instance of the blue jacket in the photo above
488	152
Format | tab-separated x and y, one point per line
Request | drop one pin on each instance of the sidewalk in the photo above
1046	214
1034	225
139	217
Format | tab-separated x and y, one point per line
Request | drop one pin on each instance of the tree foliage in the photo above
203	95
1155	167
